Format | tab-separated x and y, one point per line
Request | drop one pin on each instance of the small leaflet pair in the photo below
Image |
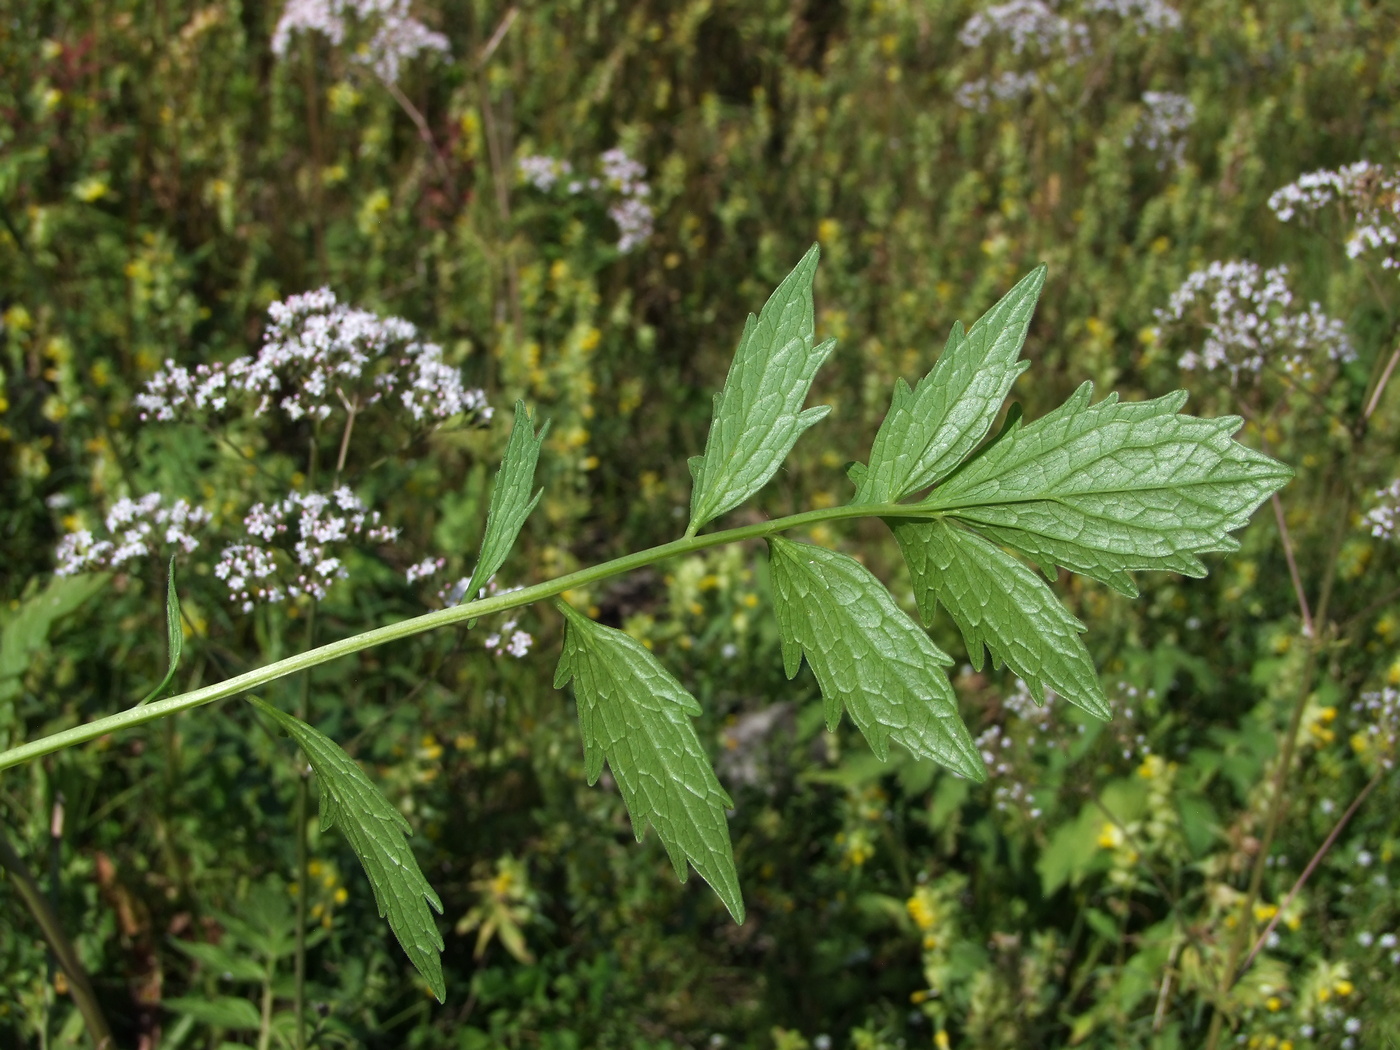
1100	489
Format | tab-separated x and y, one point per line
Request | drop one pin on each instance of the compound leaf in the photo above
637	716
511	502
1110	488
929	430
1002	605
868	655
376	831
758	415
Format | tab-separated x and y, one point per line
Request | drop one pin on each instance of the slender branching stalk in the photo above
62	948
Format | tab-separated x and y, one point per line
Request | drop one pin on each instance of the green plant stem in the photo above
136	716
59	944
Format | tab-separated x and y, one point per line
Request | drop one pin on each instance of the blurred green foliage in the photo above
164	177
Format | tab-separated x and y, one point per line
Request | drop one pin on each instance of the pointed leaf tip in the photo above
511	500
868	656
999	603
375	830
930	430
758	416
1110	488
635	714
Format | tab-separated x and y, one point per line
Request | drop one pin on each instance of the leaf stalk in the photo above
141	714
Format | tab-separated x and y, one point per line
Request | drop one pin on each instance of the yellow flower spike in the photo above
940	1040
1265	912
341	895
313	868
918	997
1273	1003
1328	714
1344	987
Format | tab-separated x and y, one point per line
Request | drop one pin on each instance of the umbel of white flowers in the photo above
319	357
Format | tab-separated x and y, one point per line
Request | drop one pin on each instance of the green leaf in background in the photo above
636	715
868	655
1002	605
1114	487
25	630
175	635
511	502
929	430
376	832
221	1011
758	415
219	960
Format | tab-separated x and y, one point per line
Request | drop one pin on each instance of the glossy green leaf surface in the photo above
929	430
758	416
511	501
1000	604
175	635
1113	487
634	714
377	832
868	656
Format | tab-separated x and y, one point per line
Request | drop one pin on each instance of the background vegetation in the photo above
165	176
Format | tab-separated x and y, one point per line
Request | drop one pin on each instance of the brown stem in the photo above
58	942
1307	872
1293	567
313	127
497	153
425	133
1278	799
1375	398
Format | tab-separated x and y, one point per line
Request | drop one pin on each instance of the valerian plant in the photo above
1102	489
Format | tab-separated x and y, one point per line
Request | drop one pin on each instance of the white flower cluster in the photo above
618	173
425	568
1037	28
508	640
397	36
319	524
1027	23
1369	195
1162	125
543	172
134	528
979	94
317	354
1384	517
1145	16
1250	323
